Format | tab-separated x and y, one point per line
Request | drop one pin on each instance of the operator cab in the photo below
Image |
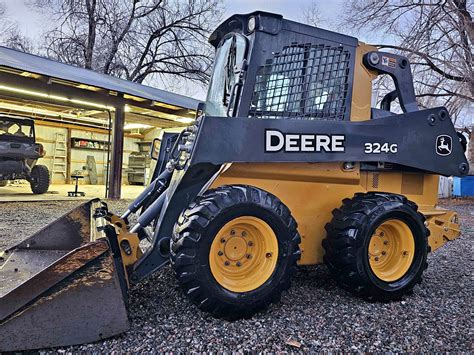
271	68
268	67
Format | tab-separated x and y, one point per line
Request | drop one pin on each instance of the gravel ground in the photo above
314	315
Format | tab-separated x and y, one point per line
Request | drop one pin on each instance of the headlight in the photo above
251	24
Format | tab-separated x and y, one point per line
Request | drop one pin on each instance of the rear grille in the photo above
303	81
375	181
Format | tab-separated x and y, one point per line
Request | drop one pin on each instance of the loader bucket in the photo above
64	285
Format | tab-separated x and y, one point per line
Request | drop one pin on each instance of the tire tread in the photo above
197	218
342	240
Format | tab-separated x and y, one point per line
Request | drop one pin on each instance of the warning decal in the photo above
389	61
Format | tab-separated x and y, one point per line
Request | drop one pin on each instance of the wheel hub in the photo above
243	254
391	250
376	245
235	248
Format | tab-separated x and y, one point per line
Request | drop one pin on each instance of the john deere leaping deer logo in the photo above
444	145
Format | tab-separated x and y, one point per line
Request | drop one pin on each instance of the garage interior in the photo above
90	124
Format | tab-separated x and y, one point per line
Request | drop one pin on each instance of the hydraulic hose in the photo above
152	192
150	213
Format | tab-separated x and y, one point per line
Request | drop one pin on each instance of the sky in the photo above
33	24
291	9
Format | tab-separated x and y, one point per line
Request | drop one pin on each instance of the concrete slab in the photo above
22	192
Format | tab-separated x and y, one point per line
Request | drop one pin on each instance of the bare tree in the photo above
135	39
13	38
10	34
312	14
437	36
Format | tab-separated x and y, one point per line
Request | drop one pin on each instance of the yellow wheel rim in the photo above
391	250
243	254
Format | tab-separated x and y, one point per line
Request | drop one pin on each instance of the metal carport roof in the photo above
17	60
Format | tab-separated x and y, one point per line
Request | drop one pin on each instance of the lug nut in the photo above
250	243
376	258
249	256
382	234
405	253
384	253
244	234
238	263
232	232
385	242
222	240
268	255
226	263
220	253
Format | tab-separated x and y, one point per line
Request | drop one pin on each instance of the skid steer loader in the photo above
286	164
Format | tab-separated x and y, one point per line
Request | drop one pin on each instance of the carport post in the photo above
115	176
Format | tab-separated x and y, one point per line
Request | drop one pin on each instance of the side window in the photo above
230	52
303	81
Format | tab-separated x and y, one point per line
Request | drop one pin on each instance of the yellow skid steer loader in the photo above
286	164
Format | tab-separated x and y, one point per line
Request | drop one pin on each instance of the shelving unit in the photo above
139	165
90	144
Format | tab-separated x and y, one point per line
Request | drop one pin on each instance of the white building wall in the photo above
46	135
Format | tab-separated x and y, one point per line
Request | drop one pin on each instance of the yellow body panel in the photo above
362	89
312	190
443	228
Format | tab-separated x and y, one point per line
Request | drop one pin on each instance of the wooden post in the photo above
68	156
115	176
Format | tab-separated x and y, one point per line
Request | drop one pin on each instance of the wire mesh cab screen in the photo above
305	81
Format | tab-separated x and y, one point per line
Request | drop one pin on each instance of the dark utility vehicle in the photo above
19	154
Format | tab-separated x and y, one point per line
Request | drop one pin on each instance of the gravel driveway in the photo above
314	315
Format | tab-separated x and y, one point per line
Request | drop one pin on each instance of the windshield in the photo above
231	52
15	129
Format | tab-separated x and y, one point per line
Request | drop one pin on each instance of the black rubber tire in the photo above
3	183
39	179
348	236
193	236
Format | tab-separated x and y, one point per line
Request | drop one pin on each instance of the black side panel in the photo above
424	140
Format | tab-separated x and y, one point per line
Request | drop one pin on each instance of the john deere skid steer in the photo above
286	164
